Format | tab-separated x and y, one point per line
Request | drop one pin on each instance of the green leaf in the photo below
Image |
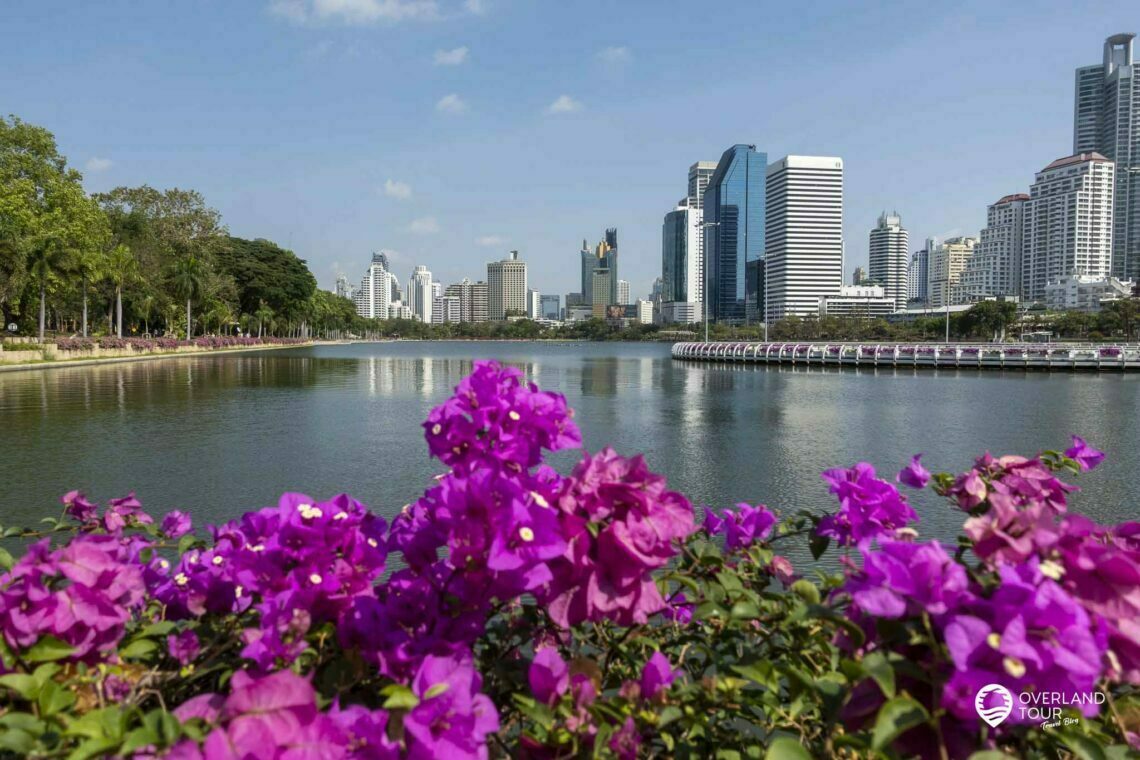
399	697
161	628
21	721
141	737
880	669
186	542
895	717
1082	746
806	590
818	545
94	748
760	672
19	743
6	560
745	610
23	684
786	748
54	698
13	531
990	754
47	649
138	648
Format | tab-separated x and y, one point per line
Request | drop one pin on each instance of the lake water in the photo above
217	435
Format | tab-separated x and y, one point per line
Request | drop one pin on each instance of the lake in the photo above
217	435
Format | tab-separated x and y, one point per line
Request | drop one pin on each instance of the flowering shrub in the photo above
167	343
513	610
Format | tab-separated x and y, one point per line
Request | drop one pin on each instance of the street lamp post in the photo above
705	266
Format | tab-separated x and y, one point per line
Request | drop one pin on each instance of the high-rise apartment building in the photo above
699	175
733	208
946	262
1106	120
506	284
533	304
343	289
473	300
622	292
995	267
1068	222
918	275
420	294
889	253
803	251
374	296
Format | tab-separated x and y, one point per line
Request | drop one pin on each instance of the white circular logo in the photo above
1000	703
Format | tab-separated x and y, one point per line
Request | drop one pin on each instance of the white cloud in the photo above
396	189
489	240
96	164
353	12
451	104
425	225
451	57
564	104
618	54
475	7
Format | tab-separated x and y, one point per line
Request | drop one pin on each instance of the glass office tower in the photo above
734	243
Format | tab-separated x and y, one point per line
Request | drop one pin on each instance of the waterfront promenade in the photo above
1026	356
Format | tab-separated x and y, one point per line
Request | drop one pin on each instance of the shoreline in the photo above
59	364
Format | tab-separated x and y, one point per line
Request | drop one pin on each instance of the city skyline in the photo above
379	184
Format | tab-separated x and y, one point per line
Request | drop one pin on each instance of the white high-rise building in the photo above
1106	120
699	175
888	258
995	267
623	292
473	300
918	275
682	262
420	294
803	234
1068	223
506	286
375	292
533	304
947	260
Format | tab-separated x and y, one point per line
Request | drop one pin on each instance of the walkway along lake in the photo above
220	434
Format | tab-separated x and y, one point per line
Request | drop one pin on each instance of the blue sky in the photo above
452	130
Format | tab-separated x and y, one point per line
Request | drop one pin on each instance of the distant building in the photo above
644	311
375	293
733	209
604	256
550	307
579	313
343	289
918	274
1106	120
946	263
601	289
449	307
804	234
533	304
506	284
622	292
859	276
682	262
858	301
888	257
474	300
995	267
1077	292
1068	223
420	294
700	174
681	312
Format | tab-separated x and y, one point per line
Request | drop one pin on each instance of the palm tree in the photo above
189	278
146	308
264	314
89	263
48	259
122	269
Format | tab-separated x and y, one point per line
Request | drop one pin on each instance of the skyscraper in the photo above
473	300
734	236
995	267
506	286
804	234
622	292
888	257
551	307
918	274
533	304
420	294
1068	222
1106	120
699	175
682	265
604	256
946	262
375	294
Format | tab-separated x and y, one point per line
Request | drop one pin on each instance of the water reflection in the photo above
219	435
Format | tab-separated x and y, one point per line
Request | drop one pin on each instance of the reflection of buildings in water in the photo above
599	376
645	374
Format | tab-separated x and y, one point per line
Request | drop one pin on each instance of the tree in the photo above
122	269
263	314
189	277
265	273
89	265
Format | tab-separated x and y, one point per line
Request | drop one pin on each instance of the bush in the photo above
75	344
541	615
13	346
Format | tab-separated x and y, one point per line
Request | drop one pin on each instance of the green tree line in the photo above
138	260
